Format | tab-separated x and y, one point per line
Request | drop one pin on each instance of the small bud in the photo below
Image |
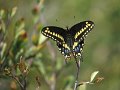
35	39
23	34
7	71
38	81
99	79
13	85
36	10
22	66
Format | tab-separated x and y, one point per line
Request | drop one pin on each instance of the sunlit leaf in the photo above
93	75
42	39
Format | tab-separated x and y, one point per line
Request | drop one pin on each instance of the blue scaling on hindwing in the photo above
77	51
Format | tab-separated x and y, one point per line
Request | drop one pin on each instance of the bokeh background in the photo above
101	51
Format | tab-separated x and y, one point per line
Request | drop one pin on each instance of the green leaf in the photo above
41	67
13	11
4	45
2	26
2	12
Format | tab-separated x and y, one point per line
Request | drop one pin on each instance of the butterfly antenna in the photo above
74	18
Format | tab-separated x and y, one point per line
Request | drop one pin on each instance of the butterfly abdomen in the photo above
69	40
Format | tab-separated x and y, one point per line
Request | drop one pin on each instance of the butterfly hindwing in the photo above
64	50
77	51
80	30
55	33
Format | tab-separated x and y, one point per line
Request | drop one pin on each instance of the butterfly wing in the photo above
55	33
80	30
77	51
64	50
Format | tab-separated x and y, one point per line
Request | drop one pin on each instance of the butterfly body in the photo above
70	41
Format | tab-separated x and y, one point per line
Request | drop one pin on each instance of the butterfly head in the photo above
67	28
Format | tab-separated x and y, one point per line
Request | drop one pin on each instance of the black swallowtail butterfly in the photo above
69	41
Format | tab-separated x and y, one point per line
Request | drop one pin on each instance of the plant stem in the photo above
78	70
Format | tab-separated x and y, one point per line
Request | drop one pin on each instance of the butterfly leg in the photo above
81	58
67	57
66	61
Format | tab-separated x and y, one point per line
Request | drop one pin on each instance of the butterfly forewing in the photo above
55	33
80	30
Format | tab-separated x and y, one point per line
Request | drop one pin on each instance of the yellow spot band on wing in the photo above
81	31
75	44
53	34
88	25
47	31
47	28
66	46
86	22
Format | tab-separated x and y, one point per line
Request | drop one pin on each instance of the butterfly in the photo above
70	41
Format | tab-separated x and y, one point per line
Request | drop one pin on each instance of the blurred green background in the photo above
101	51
